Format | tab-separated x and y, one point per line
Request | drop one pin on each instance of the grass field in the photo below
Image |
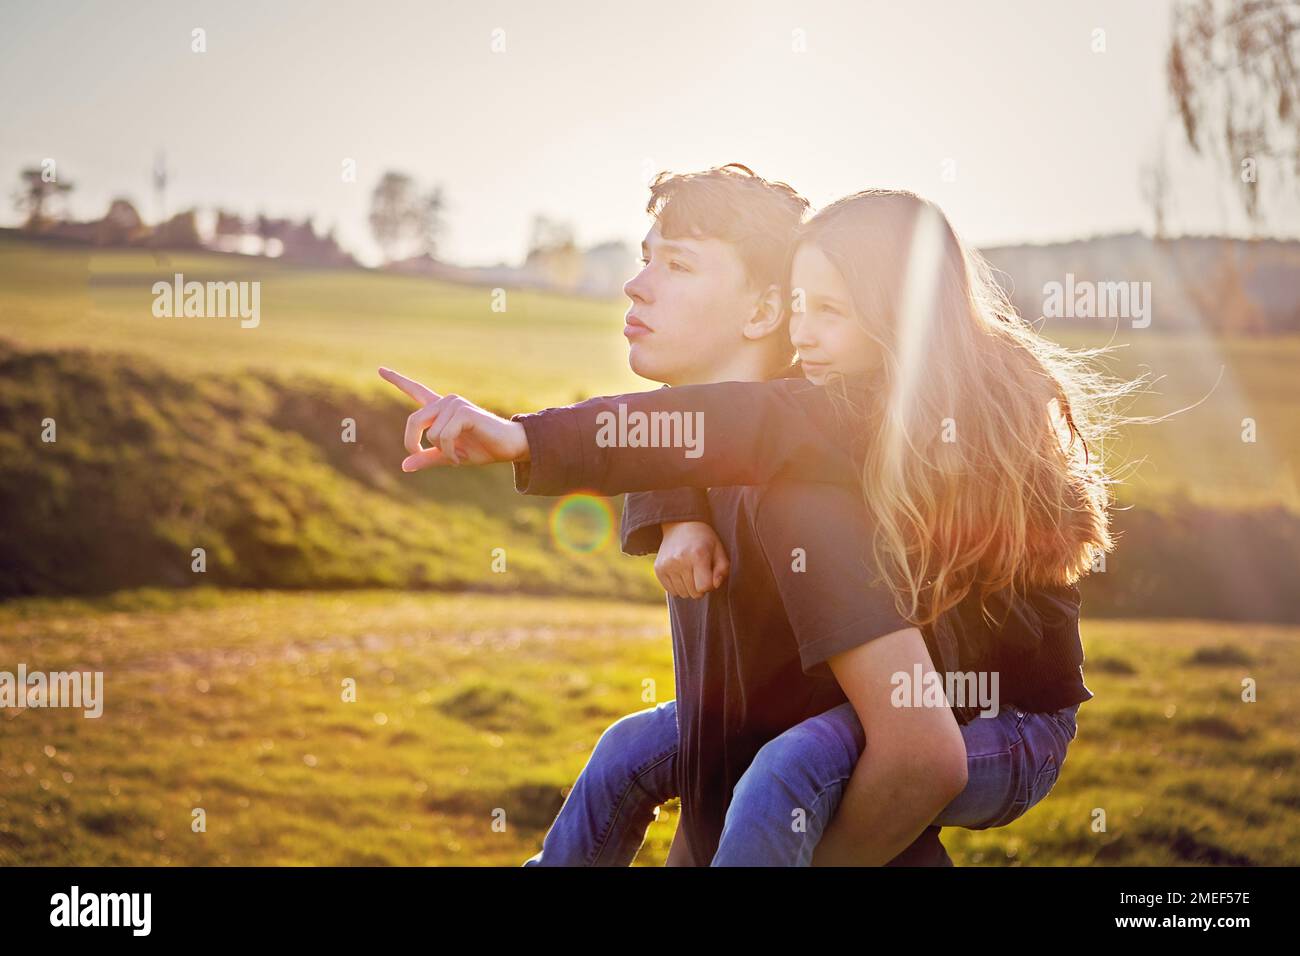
469	705
550	349
233	703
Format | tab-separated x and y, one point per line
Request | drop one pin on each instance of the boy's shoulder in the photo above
787	507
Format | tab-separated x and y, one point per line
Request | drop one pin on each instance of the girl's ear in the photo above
767	315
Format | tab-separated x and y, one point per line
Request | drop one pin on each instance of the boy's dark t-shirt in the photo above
750	657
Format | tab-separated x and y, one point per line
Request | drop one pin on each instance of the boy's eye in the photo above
673	264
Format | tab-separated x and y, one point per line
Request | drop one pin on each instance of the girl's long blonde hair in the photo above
982	438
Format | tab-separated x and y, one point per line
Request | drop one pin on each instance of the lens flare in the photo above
582	523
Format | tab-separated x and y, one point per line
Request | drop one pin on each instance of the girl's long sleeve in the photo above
728	433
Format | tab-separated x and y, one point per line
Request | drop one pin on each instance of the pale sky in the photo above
587	99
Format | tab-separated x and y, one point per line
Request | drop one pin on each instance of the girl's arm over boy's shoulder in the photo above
700	436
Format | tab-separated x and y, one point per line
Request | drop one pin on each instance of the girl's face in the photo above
828	334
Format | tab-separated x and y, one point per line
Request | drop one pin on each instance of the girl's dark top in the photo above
750	658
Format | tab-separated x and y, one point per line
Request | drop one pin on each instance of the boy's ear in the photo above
767	316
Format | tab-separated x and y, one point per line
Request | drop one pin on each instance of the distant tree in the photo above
431	221
33	199
1154	182
302	244
181	231
230	224
229	231
553	253
273	231
550	235
121	225
401	217
298	240
1234	72
336	254
264	229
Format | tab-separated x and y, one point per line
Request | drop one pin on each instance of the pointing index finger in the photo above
412	388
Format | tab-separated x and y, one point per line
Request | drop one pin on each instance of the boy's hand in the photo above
460	432
691	559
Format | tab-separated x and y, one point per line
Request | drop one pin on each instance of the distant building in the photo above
607	267
599	272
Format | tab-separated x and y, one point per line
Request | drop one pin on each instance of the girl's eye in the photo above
674	264
830	310
644	261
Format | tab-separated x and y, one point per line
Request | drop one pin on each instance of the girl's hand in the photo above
691	560
459	432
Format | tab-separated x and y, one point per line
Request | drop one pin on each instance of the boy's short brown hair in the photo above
733	204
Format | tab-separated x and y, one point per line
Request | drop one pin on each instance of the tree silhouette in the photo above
38	189
1234	72
401	217
431	223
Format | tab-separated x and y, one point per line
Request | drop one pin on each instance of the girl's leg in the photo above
791	790
1013	761
632	770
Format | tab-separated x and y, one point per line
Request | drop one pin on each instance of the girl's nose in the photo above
801	333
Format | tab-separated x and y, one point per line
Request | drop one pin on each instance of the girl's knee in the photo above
814	752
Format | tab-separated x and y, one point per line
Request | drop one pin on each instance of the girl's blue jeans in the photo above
1012	762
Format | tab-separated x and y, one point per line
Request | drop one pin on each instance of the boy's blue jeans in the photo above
1012	762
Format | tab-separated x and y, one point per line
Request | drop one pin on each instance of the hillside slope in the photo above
148	465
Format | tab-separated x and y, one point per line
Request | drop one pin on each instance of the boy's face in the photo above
690	302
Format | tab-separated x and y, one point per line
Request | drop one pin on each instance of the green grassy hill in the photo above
252	468
338	325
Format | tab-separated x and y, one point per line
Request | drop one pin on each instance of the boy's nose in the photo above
635	288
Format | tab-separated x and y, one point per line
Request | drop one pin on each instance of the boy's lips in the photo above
634	327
